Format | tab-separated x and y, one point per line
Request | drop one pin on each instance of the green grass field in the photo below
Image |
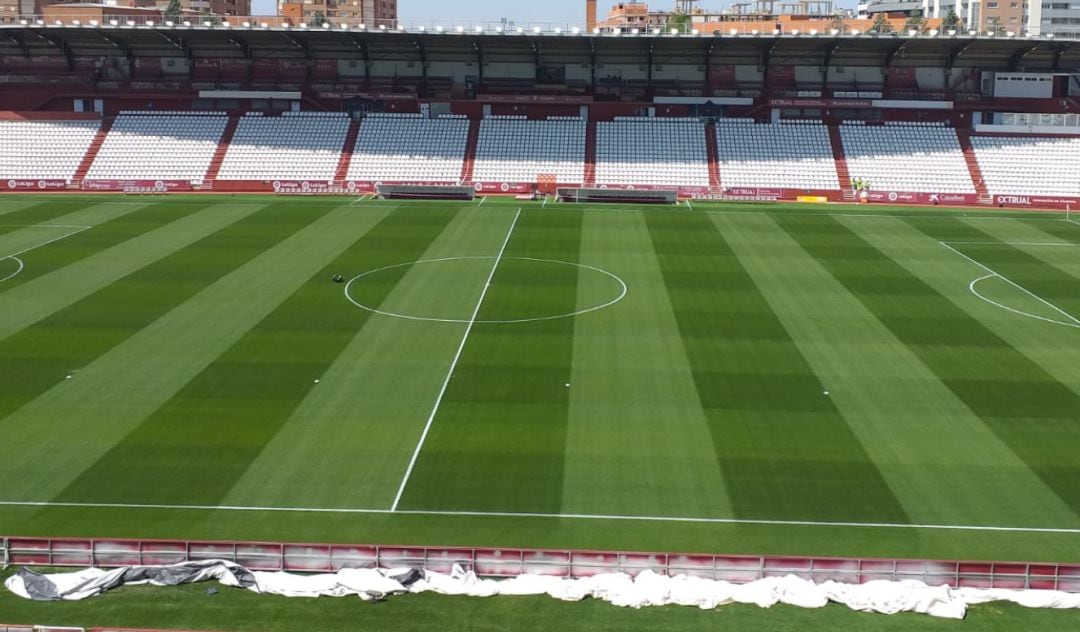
815	380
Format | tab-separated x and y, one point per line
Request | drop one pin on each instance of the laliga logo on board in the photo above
41	184
504	187
277	185
159	185
477	186
893	196
12	184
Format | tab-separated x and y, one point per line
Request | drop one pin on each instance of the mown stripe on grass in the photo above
786	451
351	439
113	231
638	441
43	212
1013	395
917	431
199	443
47	294
116	392
498	442
43	354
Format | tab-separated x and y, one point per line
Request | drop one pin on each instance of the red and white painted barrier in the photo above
510	562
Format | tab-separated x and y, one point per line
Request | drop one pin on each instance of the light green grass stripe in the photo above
24	238
349	442
1053	347
45	295
11	206
1062	256
121	388
939	459
637	439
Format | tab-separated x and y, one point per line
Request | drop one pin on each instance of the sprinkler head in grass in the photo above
568	385
316	381
824	392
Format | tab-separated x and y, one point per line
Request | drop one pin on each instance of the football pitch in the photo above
773	379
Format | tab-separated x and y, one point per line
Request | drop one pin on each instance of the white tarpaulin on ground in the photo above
646	589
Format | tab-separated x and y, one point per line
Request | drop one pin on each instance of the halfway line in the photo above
509	514
453	365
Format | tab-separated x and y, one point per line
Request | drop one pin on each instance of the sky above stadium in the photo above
479	10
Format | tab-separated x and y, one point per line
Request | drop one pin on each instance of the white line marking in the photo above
571	516
545	202
17	270
453	364
971	286
15	255
689	205
622	291
482	200
992	272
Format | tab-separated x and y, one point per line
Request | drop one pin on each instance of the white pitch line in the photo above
556	516
482	200
453	365
1013	283
17	270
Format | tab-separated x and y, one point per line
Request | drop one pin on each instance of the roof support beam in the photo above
362	46
421	50
893	52
242	45
65	49
479	50
177	43
826	61
1059	51
956	52
1019	56
301	46
709	49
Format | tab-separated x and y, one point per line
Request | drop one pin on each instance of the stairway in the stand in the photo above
842	173
590	153
347	151
222	148
964	137
713	153
92	151
470	151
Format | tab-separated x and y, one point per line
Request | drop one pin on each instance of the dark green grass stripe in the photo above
67	251
201	441
1031	411
38	357
499	440
42	213
785	450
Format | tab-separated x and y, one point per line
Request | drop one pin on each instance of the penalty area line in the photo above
556	516
453	365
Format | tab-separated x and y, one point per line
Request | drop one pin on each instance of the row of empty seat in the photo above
1029	166
158	147
517	150
796	155
652	151
920	158
292	146
44	149
638	151
409	149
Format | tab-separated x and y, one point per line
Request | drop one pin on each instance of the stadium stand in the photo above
295	145
919	157
794	154
1029	165
44	149
512	149
652	152
159	146
409	148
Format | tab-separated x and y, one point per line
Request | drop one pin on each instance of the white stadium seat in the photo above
791	154
916	157
409	148
44	149
159	146
293	146
1029	166
652	152
517	150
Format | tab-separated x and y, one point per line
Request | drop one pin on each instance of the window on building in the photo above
991	5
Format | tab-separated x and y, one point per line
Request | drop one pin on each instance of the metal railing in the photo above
509	562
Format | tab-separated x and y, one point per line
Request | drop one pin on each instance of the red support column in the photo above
347	151
964	137
222	148
842	173
92	151
714	158
590	153
470	151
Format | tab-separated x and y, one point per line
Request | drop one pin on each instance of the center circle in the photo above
477	269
